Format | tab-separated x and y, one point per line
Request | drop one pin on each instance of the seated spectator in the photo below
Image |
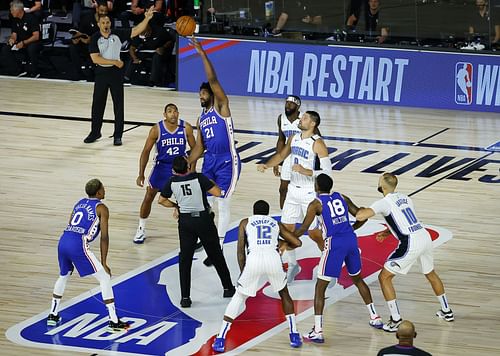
162	43
482	25
370	15
34	7
82	8
137	9
79	47
23	43
297	15
405	335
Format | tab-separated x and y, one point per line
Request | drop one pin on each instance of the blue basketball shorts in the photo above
159	176
337	251
73	251
224	170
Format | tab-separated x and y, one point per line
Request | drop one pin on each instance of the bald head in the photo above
406	333
387	183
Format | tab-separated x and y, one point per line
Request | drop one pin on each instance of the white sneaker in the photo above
377	322
293	271
392	326
140	236
314	336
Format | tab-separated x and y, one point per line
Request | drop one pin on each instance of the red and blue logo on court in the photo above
463	83
149	296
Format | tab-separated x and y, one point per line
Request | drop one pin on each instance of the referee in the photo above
195	221
104	51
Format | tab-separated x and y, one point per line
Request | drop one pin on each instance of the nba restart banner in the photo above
347	74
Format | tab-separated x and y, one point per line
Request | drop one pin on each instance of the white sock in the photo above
444	302
371	309
292	257
55	306
318	323
112	312
224	328
393	308
292	323
142	223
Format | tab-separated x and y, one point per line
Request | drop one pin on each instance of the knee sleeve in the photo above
60	285
105	283
233	308
224	215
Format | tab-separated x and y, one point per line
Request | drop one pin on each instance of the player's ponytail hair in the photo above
314	116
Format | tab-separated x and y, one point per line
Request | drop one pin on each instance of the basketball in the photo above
185	25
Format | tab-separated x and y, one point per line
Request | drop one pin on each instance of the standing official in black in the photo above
195	221
104	49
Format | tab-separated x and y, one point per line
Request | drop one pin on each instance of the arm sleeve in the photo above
205	183
381	207
325	166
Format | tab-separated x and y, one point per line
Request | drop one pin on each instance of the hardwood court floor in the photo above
45	165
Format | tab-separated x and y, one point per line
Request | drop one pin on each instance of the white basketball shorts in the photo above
261	264
417	247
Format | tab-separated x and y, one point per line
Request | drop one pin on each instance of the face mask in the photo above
379	189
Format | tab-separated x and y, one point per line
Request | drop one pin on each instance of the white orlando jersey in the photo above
399	213
302	153
262	233
289	128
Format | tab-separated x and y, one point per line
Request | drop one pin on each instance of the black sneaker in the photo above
186	302
228	293
53	320
118	326
207	262
117	141
448	316
92	138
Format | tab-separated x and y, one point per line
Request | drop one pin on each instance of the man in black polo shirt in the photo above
23	42
195	221
104	51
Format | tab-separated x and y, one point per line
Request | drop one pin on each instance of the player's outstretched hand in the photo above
276	171
149	13
197	45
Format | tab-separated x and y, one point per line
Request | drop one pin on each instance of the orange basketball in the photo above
185	25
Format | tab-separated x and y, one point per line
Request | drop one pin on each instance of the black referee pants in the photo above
202	227
108	78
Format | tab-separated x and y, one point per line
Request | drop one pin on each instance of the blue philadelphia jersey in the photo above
335	216
217	132
84	221
170	144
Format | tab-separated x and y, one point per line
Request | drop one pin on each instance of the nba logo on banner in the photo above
463	83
